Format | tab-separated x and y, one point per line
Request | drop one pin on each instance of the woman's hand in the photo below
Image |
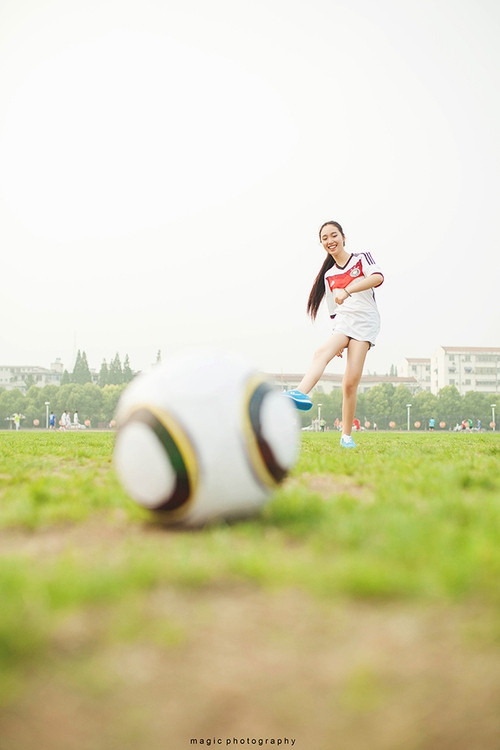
340	296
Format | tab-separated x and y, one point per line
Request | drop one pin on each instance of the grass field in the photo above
360	609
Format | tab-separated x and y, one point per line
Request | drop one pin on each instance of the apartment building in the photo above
467	368
17	376
474	368
418	368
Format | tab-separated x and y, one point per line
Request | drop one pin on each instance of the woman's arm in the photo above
359	285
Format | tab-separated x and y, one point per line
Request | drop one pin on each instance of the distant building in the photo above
418	368
466	368
474	368
17	376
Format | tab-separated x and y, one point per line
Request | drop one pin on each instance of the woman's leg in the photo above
321	358
356	353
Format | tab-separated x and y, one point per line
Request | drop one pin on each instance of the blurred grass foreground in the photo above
360	609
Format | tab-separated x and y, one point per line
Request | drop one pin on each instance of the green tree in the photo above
326	409
402	396
41	395
425	406
86	369
81	371
70	397
76	366
450	405
66	378
34	406
91	404
336	398
478	406
29	380
128	374
49	392
10	402
103	378
110	396
115	371
378	403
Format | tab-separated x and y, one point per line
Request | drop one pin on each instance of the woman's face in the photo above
332	240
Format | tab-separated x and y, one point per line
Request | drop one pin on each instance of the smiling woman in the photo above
128	130
347	280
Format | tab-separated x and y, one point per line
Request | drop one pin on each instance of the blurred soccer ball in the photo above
204	436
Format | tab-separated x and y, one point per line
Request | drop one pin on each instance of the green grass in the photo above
50	478
406	517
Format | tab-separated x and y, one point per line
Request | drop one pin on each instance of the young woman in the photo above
348	280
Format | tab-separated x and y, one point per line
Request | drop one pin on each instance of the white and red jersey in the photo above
358	315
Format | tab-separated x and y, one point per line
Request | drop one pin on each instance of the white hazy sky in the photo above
165	166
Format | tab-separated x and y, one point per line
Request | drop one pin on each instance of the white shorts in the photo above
360	325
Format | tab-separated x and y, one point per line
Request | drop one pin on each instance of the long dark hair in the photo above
318	288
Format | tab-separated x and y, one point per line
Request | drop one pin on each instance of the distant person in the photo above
76	422
17	420
348	280
52	421
432	423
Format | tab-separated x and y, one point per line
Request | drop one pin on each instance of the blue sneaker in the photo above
346	441
300	400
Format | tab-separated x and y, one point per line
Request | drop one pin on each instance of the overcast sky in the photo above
165	167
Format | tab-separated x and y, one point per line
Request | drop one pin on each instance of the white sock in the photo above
345	436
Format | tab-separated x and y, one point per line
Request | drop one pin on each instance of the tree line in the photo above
386	405
94	402
113	373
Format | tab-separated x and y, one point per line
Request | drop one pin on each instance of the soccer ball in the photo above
203	436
